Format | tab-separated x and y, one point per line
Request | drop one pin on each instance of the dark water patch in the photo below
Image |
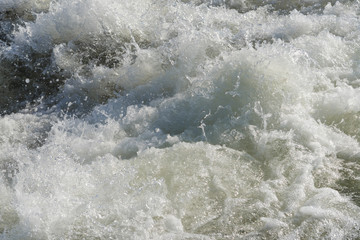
349	184
27	79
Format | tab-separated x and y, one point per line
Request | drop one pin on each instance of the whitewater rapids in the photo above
169	119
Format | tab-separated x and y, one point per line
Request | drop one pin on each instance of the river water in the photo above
169	119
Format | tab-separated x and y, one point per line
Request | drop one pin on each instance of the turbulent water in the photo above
169	119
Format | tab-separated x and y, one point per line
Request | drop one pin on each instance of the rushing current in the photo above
170	119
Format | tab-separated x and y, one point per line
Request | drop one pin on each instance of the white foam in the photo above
185	119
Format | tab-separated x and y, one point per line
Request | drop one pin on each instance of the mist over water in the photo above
165	119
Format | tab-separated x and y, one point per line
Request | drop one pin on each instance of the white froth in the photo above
182	120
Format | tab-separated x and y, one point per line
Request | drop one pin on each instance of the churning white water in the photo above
169	119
